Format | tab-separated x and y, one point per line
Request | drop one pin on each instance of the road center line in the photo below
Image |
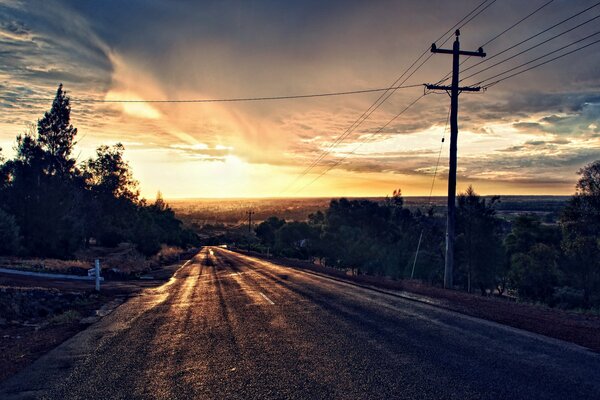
266	298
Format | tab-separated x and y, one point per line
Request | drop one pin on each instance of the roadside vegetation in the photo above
526	258
52	206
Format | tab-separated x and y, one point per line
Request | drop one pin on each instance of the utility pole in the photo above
454	90
250	212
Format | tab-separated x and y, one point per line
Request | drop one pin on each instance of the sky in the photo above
527	135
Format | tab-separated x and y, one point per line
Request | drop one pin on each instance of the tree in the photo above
45	204
9	234
265	231
109	174
112	196
146	235
58	208
580	223
429	265
479	248
534	273
56	134
293	239
527	231
372	237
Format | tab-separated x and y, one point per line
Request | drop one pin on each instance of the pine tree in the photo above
56	134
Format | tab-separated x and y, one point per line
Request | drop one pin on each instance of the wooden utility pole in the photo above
453	90
250	221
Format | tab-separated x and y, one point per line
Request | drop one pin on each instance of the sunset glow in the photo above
510	141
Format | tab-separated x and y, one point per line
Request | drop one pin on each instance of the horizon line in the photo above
349	197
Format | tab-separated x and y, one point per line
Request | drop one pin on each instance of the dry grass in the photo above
125	258
42	264
168	254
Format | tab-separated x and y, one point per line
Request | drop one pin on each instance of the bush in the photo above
568	297
9	234
110	238
534	274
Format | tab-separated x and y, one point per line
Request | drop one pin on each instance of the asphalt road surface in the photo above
231	326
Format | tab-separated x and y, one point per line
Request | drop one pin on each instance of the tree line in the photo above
553	263
52	206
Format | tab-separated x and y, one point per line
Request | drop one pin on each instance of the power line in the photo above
517	23
498	35
369	139
439	156
538	58
532	37
473	17
537	65
531	48
365	115
236	99
384	96
412	274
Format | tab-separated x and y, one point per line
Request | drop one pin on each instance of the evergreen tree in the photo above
479	248
56	134
580	224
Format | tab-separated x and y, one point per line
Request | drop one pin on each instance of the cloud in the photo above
542	124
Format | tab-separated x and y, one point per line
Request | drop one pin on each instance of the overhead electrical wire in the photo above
368	140
518	22
531	48
540	57
384	96
488	59
535	66
237	99
498	35
439	156
437	164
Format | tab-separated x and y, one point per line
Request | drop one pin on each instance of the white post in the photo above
97	271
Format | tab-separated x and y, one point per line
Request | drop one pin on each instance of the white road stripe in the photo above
266	298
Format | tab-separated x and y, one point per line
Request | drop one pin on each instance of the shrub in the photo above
9	234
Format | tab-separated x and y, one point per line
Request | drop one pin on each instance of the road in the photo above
232	326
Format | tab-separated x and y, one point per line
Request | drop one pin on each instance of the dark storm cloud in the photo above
46	43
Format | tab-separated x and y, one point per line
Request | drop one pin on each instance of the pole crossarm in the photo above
478	53
460	88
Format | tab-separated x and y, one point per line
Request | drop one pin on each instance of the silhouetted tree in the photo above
293	239
110	174
479	247
44	203
112	196
527	231
534	273
56	134
580	224
9	234
58	207
265	231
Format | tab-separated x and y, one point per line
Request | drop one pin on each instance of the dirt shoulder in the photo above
581	329
36	315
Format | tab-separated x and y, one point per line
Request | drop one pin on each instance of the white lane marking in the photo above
266	298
